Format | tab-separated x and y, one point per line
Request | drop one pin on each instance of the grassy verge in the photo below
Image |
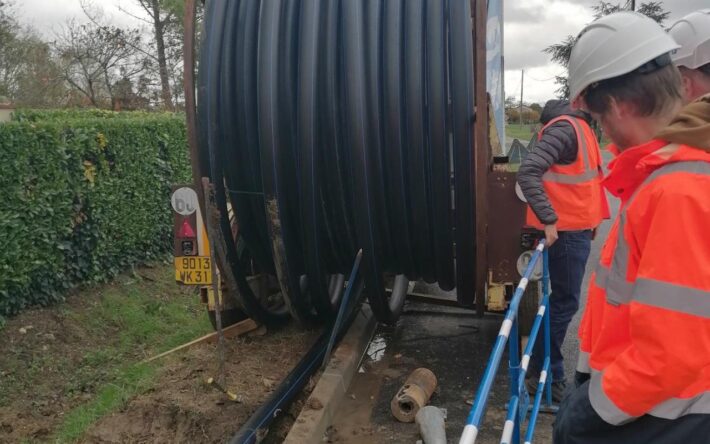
517	132
91	364
128	382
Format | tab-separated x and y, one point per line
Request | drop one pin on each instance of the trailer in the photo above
344	151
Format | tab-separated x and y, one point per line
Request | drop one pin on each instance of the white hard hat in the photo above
692	33
615	45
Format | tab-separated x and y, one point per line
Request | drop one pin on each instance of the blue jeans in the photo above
568	260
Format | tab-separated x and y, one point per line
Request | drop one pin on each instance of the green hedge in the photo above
84	197
37	115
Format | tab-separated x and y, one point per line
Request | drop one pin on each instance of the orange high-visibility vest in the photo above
575	190
645	334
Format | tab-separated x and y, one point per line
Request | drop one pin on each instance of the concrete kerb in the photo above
317	413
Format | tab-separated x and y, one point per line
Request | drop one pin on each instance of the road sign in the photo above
184	201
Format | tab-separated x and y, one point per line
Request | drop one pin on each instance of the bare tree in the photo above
164	19
94	58
161	20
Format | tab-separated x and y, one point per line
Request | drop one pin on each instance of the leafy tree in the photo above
560	52
28	74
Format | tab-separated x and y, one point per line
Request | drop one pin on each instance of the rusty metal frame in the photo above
190	99
504	238
207	208
482	152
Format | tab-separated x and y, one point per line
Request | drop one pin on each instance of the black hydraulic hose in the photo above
438	120
461	72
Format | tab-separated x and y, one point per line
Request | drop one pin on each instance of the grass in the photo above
114	328
130	381
143	322
515	131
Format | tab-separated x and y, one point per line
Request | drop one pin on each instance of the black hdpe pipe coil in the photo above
333	126
438	119
417	141
394	154
461	74
255	428
214	134
309	140
364	167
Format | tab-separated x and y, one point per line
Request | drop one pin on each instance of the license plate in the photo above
193	270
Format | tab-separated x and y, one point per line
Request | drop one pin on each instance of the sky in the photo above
530	26
46	16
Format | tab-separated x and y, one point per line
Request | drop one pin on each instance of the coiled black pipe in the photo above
461	84
332	126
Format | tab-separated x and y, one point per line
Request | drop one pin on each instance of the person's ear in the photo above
619	110
579	104
688	86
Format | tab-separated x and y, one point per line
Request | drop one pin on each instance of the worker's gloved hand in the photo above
551	235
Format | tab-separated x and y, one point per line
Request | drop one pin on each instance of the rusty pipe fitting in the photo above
413	395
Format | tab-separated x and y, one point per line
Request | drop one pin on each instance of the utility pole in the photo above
522	83
633	5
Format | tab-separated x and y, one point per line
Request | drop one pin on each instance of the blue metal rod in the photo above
511	422
532	338
538	401
514	371
546	295
473	421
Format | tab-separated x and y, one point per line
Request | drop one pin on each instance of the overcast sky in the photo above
530	26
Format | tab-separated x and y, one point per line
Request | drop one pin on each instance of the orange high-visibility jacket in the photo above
645	334
575	190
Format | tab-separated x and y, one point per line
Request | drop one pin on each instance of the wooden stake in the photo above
212	218
232	331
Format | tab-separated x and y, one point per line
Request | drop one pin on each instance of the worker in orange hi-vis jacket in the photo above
645	334
692	33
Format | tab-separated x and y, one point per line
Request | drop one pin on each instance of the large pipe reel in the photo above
333	126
